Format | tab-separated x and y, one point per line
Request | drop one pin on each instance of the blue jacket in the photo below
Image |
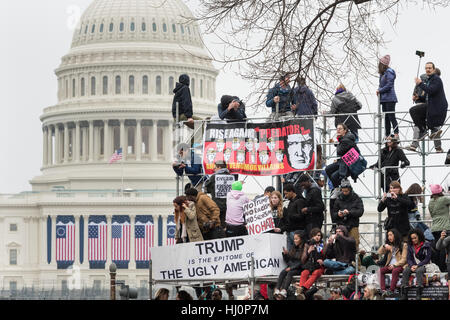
386	87
437	103
305	101
286	98
424	255
233	115
193	169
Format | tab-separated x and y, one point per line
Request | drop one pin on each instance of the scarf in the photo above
417	248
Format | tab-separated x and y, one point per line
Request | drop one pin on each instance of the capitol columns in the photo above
45	146
66	142
106	141
153	140
91	140
57	145
123	144
138	140
77	143
49	146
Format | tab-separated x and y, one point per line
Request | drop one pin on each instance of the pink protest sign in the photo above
350	157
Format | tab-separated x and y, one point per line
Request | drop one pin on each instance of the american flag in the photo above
116	156
171	230
144	237
65	241
97	239
120	242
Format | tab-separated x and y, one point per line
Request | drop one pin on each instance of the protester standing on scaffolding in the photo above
282	94
386	92
345	102
232	109
436	103
187	229
276	206
190	164
314	203
234	220
305	103
184	99
391	156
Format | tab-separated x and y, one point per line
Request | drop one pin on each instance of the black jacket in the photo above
210	187
294	219
309	260
343	249
353	204
233	115
294	257
345	102
346	143
392	158
315	207
436	101
183	96
397	212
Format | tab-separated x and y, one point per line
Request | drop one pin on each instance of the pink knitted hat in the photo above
386	60
435	188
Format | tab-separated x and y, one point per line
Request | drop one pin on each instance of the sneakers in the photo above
436	135
283	293
334	194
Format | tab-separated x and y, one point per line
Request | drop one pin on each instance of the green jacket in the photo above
439	210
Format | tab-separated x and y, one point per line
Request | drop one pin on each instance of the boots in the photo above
419	293
403	293
309	294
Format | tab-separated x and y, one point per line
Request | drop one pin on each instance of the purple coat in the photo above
424	255
386	87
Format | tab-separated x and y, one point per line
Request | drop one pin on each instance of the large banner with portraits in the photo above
260	149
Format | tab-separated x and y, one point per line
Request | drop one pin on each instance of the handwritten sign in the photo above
258	216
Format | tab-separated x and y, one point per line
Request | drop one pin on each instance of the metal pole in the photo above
325	187
177	141
380	138
423	178
150	282
252	270
113	286
356	274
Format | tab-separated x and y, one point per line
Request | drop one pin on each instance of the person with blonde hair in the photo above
370	293
276	205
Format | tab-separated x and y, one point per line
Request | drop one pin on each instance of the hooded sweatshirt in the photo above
183	96
343	248
345	102
235	211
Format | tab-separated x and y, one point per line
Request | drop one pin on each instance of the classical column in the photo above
132	265
85	241
168	143
153	140
66	142
85	144
138	140
45	147
50	146
106	152
77	143
27	249
77	240
96	143
53	263
108	235
57	145
43	240
123	143
91	141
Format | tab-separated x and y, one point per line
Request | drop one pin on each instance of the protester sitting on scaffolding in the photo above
418	114
183	97
391	156
189	163
232	109
305	103
282	95
340	253
293	259
415	192
187	229
345	102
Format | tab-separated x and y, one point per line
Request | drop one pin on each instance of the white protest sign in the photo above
226	258
223	185
258	216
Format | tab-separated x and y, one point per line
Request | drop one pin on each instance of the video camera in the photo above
420	53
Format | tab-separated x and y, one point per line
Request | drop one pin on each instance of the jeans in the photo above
338	267
336	172
416	223
395	276
389	118
419	276
419	116
285	278
236	230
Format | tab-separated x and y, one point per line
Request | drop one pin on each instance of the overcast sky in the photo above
36	34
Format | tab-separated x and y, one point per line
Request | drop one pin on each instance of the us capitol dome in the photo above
114	91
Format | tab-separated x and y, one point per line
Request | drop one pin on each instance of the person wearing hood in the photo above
232	109
419	255
386	92
305	102
283	95
293	217
345	102
342	248
216	182
347	210
314	203
183	97
235	222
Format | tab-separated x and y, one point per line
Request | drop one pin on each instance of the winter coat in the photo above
346	142
305	101
345	102
210	187
294	218
207	210
386	87
424	255
309	260
353	204
422	96
183	97
397	213
286	98
293	258
192	228
343	249
399	256
193	169
439	211
233	115
235	211
442	244
436	101
391	158
315	207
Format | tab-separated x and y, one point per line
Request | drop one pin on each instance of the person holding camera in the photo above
340	252
208	214
283	95
347	209
398	206
187	229
313	267
391	156
234	220
232	109
190	164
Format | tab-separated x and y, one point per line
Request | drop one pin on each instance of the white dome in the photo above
137	20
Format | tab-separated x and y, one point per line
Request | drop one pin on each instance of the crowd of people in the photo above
298	212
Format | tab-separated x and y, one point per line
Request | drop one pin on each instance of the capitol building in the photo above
114	91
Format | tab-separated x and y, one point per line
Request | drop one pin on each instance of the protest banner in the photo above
260	149
258	216
223	185
226	258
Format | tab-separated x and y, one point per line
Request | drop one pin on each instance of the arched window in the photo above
83	89
111	27
158	85
132	26
93	86
164	27
154	26
101	28
145	85
73	88
171	85
118	85
121	27
131	85
193	87
93	28
144	27
174	28
105	85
